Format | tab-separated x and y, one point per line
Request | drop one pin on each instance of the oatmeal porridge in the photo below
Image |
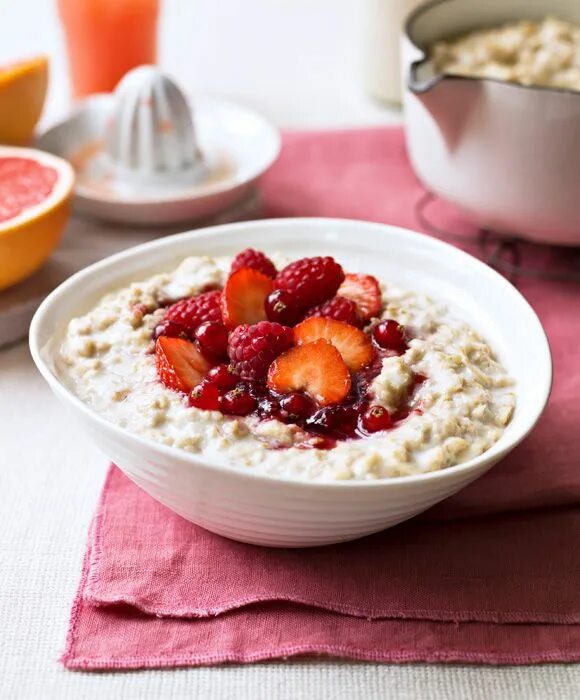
295	369
530	53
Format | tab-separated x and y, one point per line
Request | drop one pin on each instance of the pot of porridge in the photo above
492	106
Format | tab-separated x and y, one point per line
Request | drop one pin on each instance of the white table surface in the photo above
297	61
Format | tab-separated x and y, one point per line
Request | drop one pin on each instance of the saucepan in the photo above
504	153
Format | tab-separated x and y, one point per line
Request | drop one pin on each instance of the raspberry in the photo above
252	349
340	309
311	280
192	312
256	260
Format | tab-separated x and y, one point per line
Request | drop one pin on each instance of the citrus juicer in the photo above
150	138
143	156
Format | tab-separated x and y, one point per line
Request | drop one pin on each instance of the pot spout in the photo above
450	100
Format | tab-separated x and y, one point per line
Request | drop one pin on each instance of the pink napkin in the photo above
490	576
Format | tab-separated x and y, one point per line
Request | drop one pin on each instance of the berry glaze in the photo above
250	364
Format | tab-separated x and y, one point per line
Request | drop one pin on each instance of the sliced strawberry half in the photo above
180	365
316	368
354	346
365	291
244	296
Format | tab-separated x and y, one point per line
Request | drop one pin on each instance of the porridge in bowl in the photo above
530	53
291	368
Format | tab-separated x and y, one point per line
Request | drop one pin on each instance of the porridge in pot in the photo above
291	368
530	53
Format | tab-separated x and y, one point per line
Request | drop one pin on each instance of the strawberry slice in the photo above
316	368
180	365
355	347
244	296
365	291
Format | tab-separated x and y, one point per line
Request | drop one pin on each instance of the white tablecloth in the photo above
300	67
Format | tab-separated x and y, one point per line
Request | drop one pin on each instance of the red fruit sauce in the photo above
355	418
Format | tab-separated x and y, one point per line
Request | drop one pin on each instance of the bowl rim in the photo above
494	453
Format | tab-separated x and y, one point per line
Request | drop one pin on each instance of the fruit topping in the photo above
282	308
376	418
170	329
340	309
238	401
390	335
212	339
205	395
338	421
180	365
311	280
268	407
244	296
295	346
295	406
190	313
316	368
223	376
365	291
256	260
252	349
355	347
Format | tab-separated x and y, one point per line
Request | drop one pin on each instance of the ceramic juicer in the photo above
144	156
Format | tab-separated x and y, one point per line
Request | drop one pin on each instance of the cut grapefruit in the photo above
35	192
22	93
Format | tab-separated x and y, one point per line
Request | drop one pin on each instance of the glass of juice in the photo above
106	38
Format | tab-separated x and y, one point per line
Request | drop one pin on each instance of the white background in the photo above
299	62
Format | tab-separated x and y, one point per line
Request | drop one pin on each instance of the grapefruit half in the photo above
22	93
35	193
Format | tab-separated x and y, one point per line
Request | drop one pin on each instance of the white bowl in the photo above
274	511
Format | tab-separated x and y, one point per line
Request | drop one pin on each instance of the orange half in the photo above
22	93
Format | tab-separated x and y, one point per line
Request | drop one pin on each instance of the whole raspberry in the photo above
311	280
192	312
252	349
255	260
340	309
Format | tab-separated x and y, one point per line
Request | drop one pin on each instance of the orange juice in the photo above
106	38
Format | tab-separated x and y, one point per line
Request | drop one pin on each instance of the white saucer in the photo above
238	144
